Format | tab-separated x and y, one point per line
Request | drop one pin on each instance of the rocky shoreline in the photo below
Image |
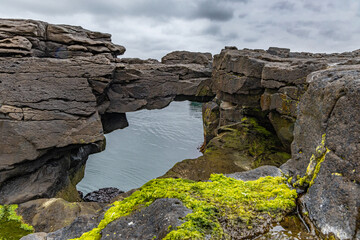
62	87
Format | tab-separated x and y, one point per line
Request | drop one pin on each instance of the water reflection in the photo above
154	141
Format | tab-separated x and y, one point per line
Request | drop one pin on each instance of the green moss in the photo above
12	226
240	203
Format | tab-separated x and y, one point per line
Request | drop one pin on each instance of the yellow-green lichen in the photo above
314	165
12	226
240	203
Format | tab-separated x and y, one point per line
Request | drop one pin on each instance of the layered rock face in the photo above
61	88
266	84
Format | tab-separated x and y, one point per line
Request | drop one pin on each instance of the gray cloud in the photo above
283	5
152	28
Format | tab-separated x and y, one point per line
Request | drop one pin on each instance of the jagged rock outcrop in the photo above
41	39
266	84
61	88
185	57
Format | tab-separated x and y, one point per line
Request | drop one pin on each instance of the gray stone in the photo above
256	173
35	236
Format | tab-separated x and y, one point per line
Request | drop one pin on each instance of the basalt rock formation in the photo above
62	87
58	84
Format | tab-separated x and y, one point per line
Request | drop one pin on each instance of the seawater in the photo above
152	143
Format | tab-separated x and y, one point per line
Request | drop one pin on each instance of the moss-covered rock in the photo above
223	208
238	147
12	226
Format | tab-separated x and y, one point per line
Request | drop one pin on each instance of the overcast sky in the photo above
152	28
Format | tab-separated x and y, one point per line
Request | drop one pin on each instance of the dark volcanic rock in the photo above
103	195
80	225
326	150
158	220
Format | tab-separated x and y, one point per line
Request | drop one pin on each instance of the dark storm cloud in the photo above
214	10
156	9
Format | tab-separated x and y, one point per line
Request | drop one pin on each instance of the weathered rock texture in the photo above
61	87
326	151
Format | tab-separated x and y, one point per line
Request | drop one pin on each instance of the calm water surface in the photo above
154	141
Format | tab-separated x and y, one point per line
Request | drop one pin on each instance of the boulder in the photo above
49	215
158	220
103	195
